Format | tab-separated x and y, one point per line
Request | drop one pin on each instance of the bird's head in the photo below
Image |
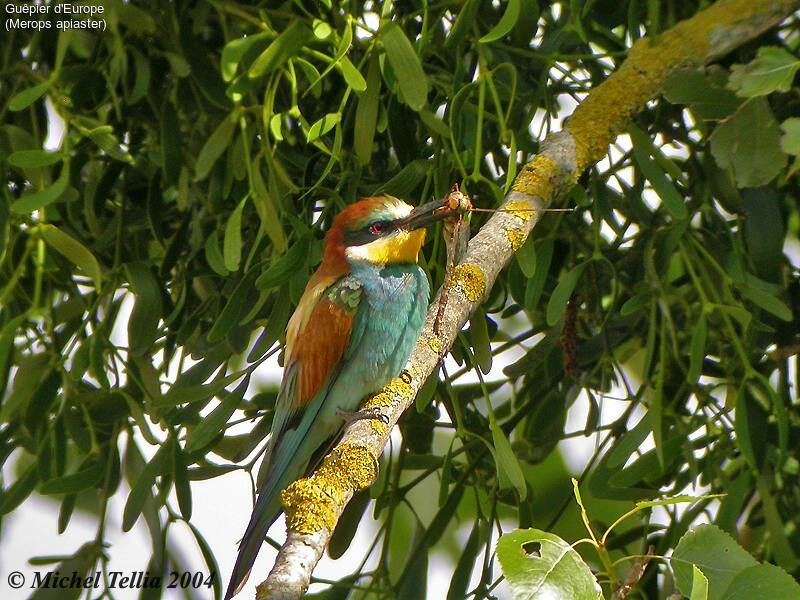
381	230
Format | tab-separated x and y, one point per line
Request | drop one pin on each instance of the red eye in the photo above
377	227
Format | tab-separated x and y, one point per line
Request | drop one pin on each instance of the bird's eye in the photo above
378	227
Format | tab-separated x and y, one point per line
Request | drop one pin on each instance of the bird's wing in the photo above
318	336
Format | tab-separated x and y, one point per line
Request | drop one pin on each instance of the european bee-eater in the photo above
351	333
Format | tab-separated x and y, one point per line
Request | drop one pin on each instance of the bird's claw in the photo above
373	412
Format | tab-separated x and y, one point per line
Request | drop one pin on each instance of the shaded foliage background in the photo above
198	169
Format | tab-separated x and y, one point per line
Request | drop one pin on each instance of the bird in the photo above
351	333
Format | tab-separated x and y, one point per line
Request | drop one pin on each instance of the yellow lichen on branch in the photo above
536	179
606	111
470	280
314	503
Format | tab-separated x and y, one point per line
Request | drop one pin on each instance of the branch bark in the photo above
314	505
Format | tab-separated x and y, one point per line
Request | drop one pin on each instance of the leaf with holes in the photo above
538	564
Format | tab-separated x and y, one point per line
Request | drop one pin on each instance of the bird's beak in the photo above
426	215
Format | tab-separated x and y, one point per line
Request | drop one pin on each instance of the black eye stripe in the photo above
368	233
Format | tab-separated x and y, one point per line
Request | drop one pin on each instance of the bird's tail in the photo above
266	510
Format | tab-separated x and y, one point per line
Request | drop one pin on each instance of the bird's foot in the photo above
373	412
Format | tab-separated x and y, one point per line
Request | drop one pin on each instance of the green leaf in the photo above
32	159
767	301
73	251
408	71
697	350
266	209
15	494
773	69
232	244
367	115
234	51
286	265
146	313
466	563
214	255
352	75
348	524
26	97
526	257
183	488
85	478
699	585
322	126
708	99
749	143
505	24
538	564
563	292
762	581
215	145
479	339
715	553
790	140
509	471
285	46
194	393
171	143
666	190
143	487
214	423
31	201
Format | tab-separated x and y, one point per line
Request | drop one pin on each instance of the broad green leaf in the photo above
141	83
628	443
348	524
749	143
526	257
467	562
507	463
790	140
411	78
717	555
15	494
352	75
209	558
234	51
215	145
143	322
28	96
773	69
699	585
676	500
142	488
194	393
232	244
563	292
214	255
706	98
666	190
31	201
183	488
105	139
286	265
767	301
32	159
215	421
73	250
538	564
505	24
406	181
171	143
479	339
762	581
266	209
85	478
284	47
322	126
697	350
367	114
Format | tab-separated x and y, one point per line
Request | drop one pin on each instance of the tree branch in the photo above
314	505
